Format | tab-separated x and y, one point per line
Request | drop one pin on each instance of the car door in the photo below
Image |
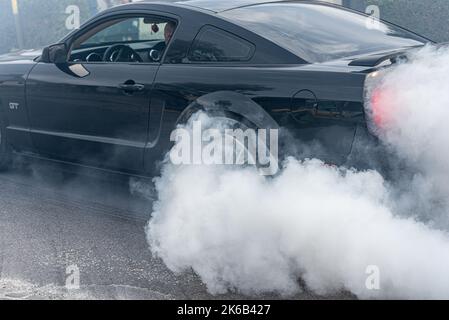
92	111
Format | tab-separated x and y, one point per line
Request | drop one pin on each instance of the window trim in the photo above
122	15
205	27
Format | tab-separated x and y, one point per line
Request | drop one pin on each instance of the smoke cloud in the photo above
328	226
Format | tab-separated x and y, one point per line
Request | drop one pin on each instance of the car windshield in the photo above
319	32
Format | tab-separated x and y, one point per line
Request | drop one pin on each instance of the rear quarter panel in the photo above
274	89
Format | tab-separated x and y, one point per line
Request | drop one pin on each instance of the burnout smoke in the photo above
409	106
325	225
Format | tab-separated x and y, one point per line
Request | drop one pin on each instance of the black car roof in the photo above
224	5
210	6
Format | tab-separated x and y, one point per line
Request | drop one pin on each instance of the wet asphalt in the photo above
53	217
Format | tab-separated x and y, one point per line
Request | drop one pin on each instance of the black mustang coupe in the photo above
109	94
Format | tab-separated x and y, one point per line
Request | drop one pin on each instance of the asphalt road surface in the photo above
53	217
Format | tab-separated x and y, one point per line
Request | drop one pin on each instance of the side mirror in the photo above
56	53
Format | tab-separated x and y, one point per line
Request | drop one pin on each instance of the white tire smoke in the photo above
325	225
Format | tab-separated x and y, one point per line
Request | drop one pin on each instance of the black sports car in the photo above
109	94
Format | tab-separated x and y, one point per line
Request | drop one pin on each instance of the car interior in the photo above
132	40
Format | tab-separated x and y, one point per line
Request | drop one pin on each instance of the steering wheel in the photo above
157	51
121	53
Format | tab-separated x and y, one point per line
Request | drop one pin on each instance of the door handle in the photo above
129	87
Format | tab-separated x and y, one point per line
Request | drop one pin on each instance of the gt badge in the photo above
13	106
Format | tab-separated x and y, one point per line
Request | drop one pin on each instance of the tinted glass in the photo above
132	29
320	33
218	45
134	40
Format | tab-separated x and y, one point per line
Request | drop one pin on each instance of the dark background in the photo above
426	17
42	22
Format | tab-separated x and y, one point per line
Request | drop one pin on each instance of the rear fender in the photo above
228	102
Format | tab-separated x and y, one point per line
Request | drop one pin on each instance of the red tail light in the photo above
380	108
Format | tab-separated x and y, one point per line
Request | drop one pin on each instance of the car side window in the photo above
132	39
216	45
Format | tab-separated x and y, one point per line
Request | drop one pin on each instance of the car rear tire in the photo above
227	120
